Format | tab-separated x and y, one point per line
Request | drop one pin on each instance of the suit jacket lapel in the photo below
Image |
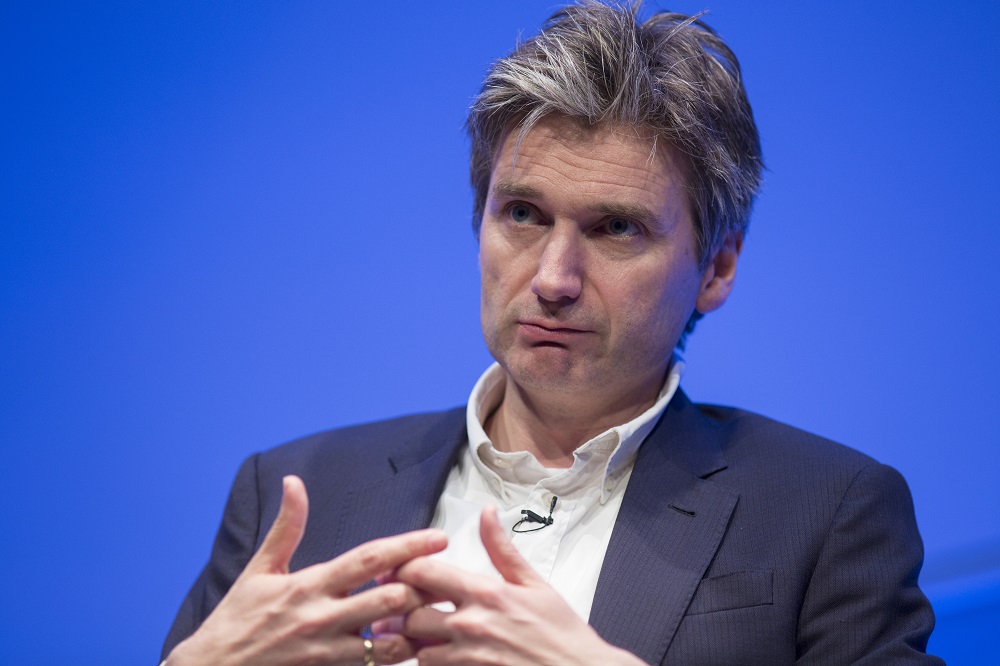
669	527
405	498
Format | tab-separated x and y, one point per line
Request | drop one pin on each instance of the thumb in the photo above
504	556
286	532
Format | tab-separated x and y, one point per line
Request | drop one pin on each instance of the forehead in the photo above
593	163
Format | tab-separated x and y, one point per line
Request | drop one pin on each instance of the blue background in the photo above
228	225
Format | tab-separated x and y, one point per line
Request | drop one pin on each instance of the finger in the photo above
387	649
360	610
445	654
438	581
392	649
503	554
376	558
389	625
427	624
285	534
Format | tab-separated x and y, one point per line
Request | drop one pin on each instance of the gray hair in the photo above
671	74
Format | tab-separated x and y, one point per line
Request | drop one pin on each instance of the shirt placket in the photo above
540	547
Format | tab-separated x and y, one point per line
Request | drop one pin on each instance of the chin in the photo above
549	369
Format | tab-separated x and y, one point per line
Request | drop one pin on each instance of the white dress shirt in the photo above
569	552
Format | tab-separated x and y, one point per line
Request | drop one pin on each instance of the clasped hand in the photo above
274	617
517	620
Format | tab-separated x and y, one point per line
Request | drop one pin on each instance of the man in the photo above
614	165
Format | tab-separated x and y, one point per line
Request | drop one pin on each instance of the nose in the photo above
559	277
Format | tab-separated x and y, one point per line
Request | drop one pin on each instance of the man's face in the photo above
589	262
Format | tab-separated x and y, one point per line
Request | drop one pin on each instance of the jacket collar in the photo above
670	524
404	495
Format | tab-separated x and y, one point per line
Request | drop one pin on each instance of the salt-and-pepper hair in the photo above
670	74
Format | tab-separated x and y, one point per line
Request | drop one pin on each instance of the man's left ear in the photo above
720	274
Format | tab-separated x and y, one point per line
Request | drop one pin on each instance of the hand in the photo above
273	617
518	620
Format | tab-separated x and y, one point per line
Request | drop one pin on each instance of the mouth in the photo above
549	333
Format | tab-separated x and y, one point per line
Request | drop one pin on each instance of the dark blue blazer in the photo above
739	541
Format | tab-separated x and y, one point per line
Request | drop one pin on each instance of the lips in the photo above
542	332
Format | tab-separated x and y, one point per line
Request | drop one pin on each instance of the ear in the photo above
720	274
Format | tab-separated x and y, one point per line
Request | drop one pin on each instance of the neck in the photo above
552	429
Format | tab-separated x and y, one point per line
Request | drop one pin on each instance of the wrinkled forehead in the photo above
581	132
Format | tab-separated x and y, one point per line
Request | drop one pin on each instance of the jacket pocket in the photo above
741	589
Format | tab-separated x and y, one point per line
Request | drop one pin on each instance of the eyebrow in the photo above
505	188
634	212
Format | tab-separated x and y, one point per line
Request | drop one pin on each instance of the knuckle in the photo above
335	617
491	595
393	650
467	625
294	593
395	598
485	655
370	557
311	625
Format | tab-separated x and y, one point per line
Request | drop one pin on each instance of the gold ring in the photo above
369	651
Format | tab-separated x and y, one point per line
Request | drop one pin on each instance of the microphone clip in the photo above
532	517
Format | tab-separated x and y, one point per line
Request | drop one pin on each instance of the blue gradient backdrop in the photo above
225	225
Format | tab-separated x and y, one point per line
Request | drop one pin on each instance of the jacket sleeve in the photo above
234	544
863	605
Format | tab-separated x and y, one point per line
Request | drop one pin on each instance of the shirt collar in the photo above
616	447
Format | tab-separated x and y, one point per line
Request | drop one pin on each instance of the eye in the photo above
522	213
621	227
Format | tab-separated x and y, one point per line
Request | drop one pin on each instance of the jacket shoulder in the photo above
368	441
744	432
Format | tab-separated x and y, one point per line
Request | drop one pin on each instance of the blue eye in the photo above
521	213
619	226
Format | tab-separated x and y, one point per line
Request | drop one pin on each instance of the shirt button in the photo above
609	485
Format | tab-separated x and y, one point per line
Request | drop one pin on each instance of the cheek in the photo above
488	279
486	302
656	309
492	299
501	271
